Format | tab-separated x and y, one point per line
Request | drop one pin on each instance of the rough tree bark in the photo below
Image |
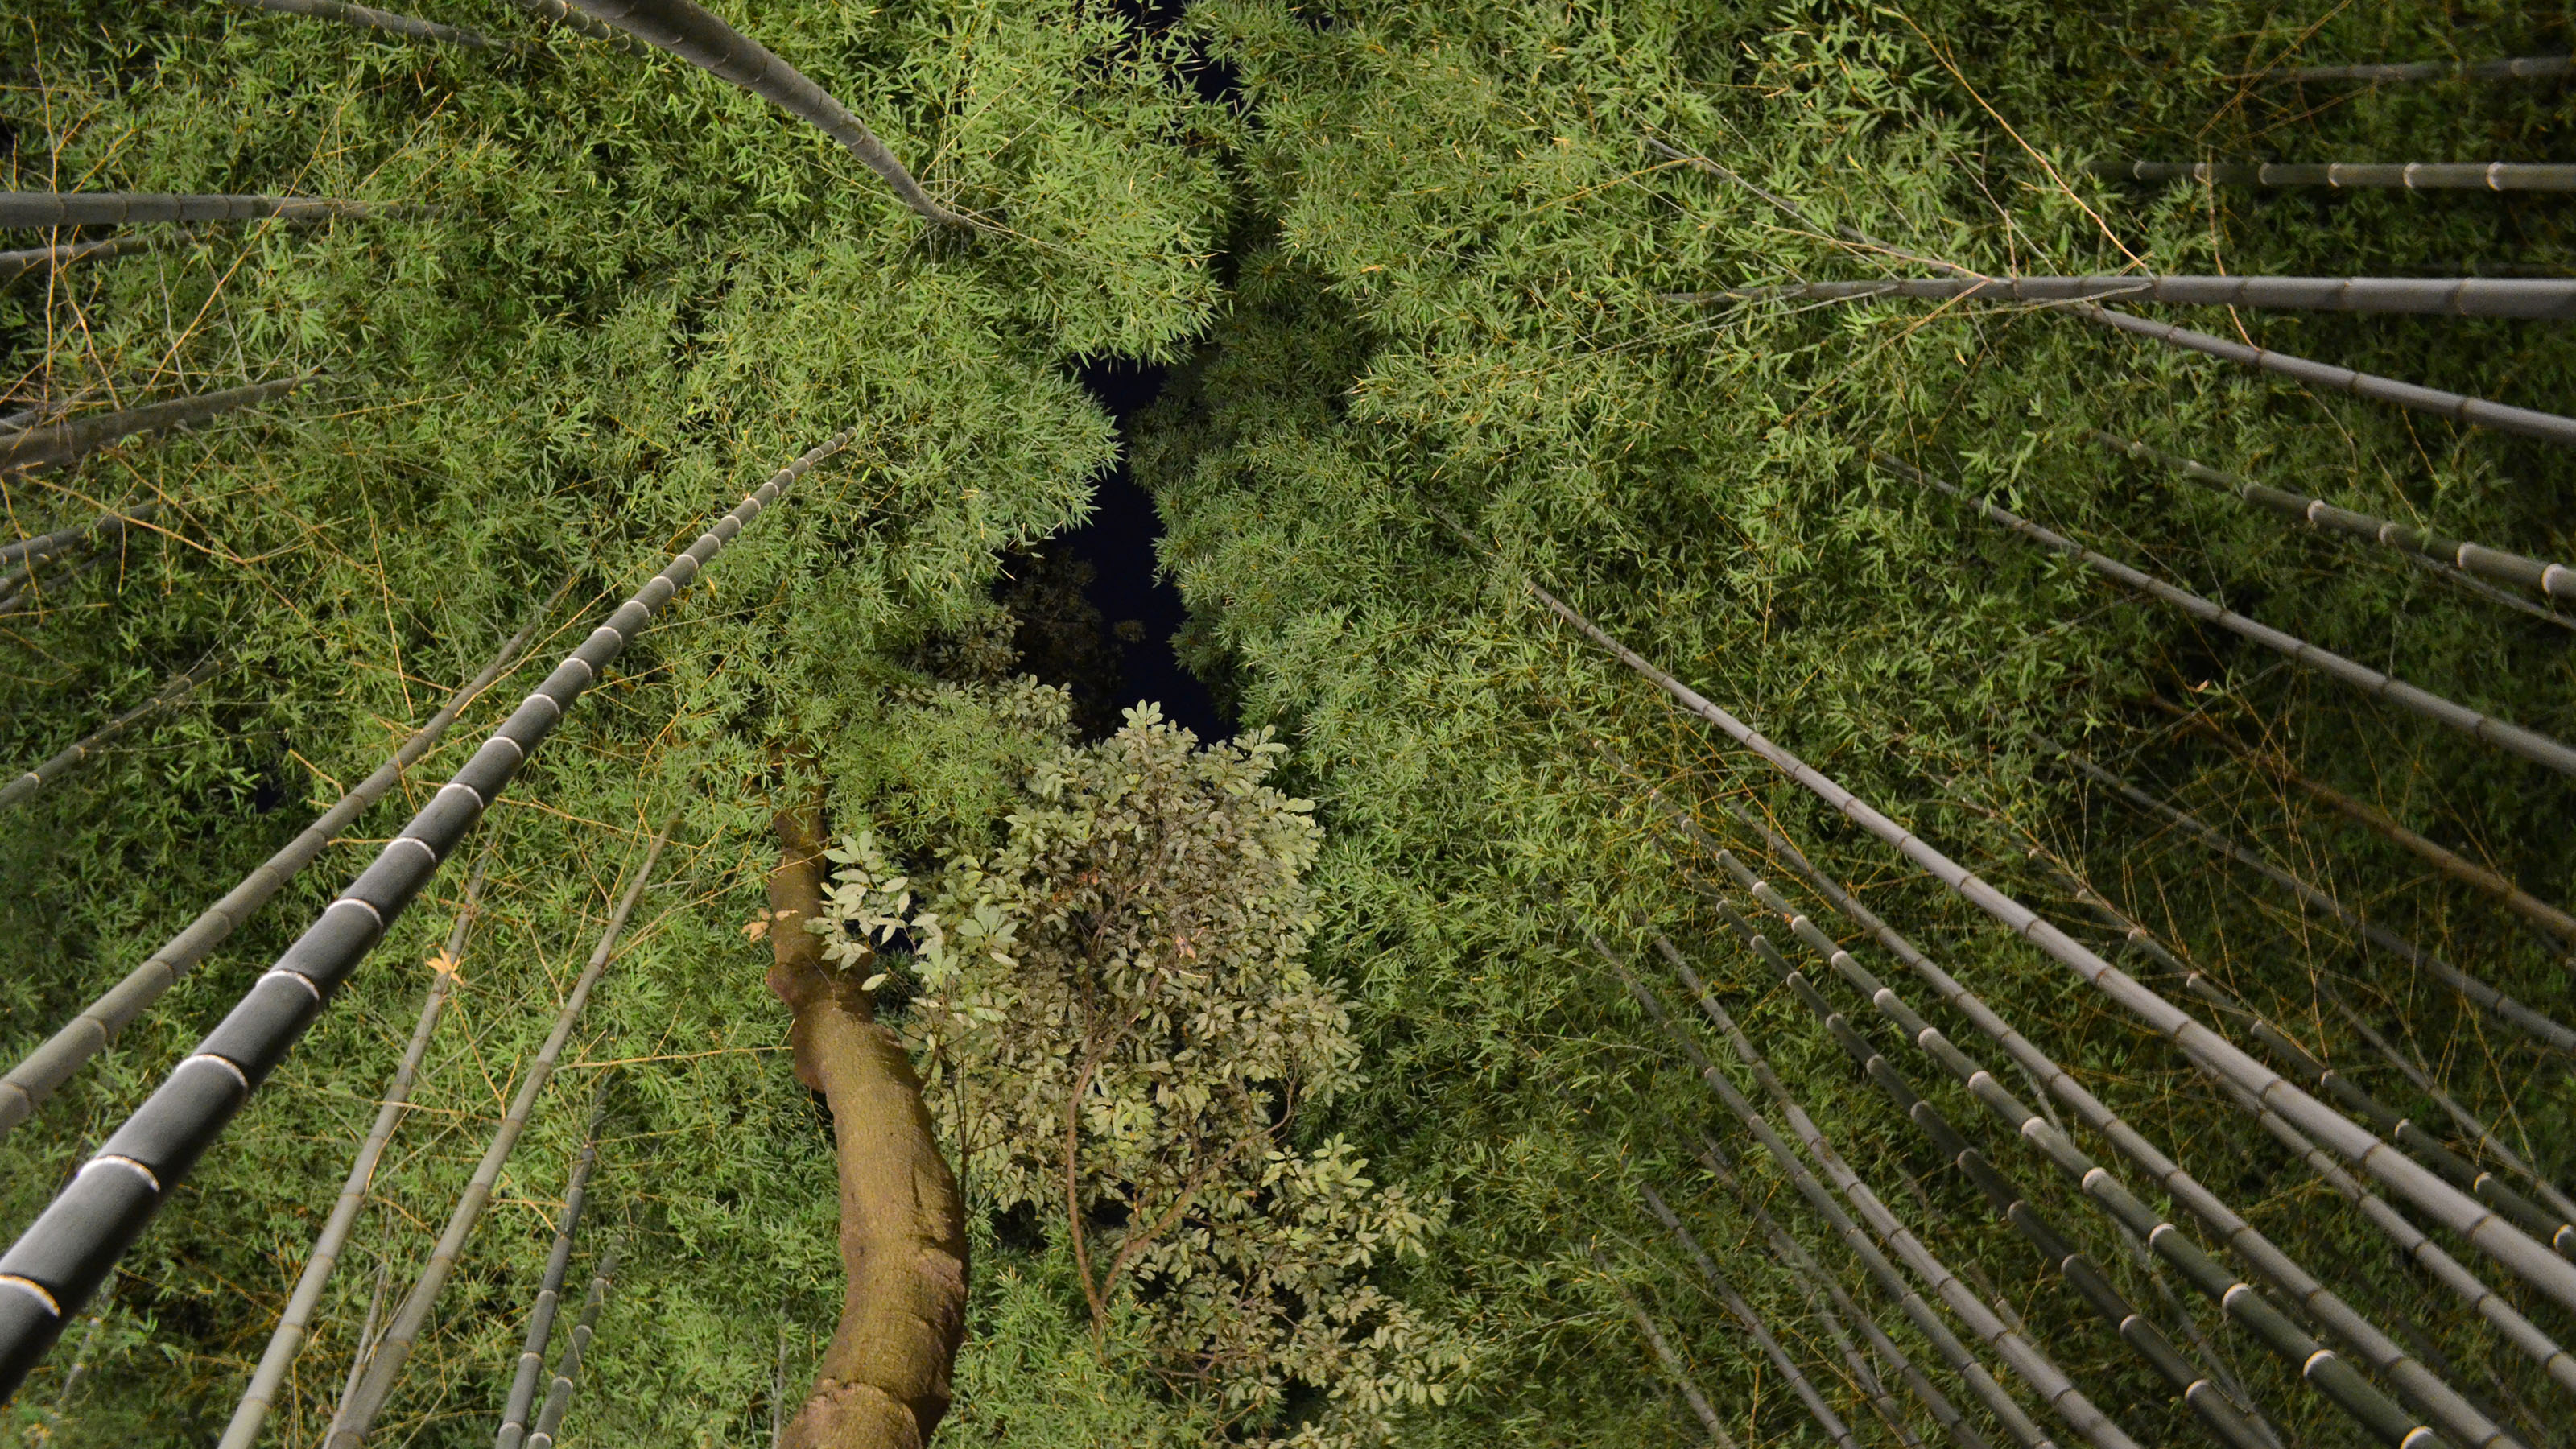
883	1382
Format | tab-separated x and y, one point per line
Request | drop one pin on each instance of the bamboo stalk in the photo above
559	1393
366	1339
16	264
2409	176
367	17
69	442
2552	580
558	13
2493	1002
1672	1363
35	210
384	1369
1873	1260
45	545
541	1317
2468	1122
2528	67
20	603
1742	1312
696	35
60	1259
2451	1208
2438	296
288	1338
80	750
43	1071
2511	738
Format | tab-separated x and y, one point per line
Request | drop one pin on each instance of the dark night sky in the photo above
1118	542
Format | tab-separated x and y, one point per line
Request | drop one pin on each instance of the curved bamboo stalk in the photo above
2511	738
1742	1312
59	1261
47	209
43	1071
1873	1260
2556	581
541	1317
45	545
288	1338
384	1368
367	17
2439	296
69	442
2468	1122
2493	1002
53	769
1674	1368
16	264
696	35
2410	176
558	13
2451	1208
559	1393
2529	67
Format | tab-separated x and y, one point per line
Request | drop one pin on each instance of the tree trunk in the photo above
883	1381
367	17
2411	176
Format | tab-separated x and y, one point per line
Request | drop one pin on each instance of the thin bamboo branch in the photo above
367	17
60	1259
2552	580
1674	1368
65	443
2511	738
35	210
53	769
559	1393
2439	296
384	1370
1742	1312
366	1345
288	1338
541	1317
16	264
44	1070
2528	67
2410	176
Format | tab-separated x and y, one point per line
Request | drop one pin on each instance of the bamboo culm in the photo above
696	35
2440	296
58	1262
367	17
2552	580
384	1369
2493	1002
53	769
45	209
1742	1312
541	1317
69	442
2528	67
2470	1125
559	1393
44	1070
2511	738
1672	1363
28	600
2409	176
45	545
288	1338
558	13
1873	1259
2452	1209
16	264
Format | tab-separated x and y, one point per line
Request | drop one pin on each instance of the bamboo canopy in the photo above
56	767
41	209
59	1261
2439	296
69	442
367	17
2411	176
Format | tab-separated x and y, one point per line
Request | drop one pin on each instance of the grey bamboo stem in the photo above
70	442
2440	296
385	1368
2529	67
2552	580
1742	1312
44	1070
2409	176
45	545
366	1342
46	209
2471	1127
541	1317
53	769
1674	1368
696	35
559	1393
15	264
2450	1208
558	13
2493	1002
367	17
29	600
2511	738
287	1339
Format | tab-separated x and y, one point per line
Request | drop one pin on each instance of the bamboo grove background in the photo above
1413	258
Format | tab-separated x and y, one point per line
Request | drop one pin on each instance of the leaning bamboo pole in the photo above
1874	1260
2552	580
2525	67
696	35
288	1338
2439	296
65	443
46	209
384	1368
1674	1367
2408	176
59	1261
541	1317
2470	1125
16	264
2494	1003
46	545
367	17
1751	1322
43	1071
87	745
559	1393
2451	1208
2511	738
557	12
